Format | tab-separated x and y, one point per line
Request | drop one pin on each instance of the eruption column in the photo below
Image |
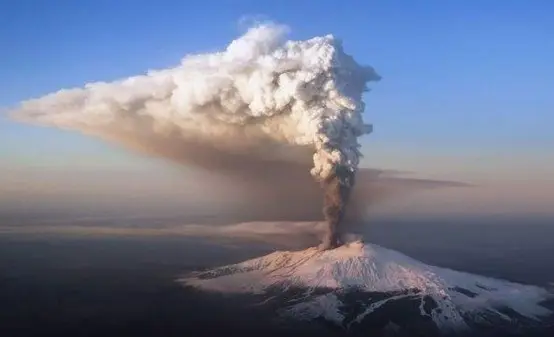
225	111
337	188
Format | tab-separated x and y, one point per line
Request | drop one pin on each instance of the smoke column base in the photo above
331	240
329	245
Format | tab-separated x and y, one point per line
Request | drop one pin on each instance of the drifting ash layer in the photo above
358	283
252	102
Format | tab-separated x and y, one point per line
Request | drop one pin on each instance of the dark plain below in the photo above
107	286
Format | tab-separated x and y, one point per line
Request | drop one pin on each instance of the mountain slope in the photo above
352	283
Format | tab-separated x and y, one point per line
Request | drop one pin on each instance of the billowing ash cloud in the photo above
259	103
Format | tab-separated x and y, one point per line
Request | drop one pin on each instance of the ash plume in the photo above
337	187
257	105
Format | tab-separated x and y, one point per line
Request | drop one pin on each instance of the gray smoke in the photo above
337	189
262	105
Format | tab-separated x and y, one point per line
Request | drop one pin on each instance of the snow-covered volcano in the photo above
364	282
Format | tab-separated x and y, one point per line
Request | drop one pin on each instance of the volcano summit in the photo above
365	288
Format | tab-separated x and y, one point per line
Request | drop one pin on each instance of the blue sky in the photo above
462	80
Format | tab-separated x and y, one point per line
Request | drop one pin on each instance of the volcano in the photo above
364	287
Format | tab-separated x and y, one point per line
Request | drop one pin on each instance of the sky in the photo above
466	93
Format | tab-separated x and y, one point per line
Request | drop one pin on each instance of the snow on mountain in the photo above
369	268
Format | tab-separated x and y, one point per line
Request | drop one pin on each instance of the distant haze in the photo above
159	188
